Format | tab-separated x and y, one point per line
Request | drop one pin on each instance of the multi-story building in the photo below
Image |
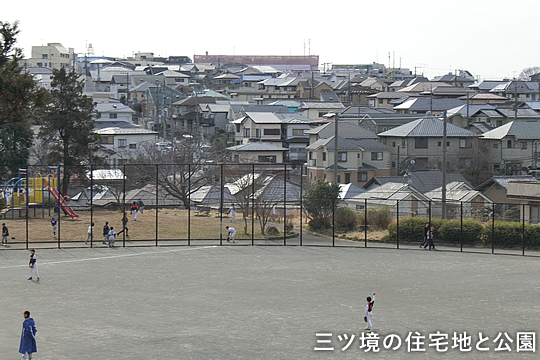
53	56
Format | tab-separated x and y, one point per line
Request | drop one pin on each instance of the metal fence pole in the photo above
301	200
333	223
189	208
253	204
59	203
523	226
365	222
221	205
157	203
397	224
285	205
461	226
493	230
92	202
124	214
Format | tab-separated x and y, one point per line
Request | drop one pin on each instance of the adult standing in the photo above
368	312
54	222
106	232
5	233
431	235
134	210
425	238
232	213
140	204
33	265
28	337
90	234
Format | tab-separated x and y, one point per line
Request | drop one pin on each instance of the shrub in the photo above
510	234
512	214
345	219
319	223
450	232
379	218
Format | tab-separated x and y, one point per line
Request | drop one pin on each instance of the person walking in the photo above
125	221
54	222
5	234
106	232
430	236
112	235
368	312
425	238
33	265
28	337
134	210
232	232
90	234
232	213
140	204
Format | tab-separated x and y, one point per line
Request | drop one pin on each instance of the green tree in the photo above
20	101
320	202
68	119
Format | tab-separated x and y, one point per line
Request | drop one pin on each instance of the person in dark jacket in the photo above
425	238
5	233
430	236
28	336
106	233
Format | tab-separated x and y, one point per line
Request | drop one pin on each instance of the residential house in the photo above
422	180
461	200
358	160
462	80
121	144
316	110
409	200
114	112
424	105
257	152
496	188
527	194
513	146
518	91
386	99
418	145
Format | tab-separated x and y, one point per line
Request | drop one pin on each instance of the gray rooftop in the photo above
423	181
520	130
428	127
345	129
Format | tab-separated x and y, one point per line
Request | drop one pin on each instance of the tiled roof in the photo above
504	180
428	127
256	146
521	130
345	129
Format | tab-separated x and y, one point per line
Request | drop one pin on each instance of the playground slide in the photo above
62	203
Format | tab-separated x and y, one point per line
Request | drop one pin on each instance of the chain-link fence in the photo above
246	204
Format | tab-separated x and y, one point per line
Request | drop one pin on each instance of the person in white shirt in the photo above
89	234
368	311
112	235
232	232
232	213
33	265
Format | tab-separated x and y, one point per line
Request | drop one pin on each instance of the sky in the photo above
492	39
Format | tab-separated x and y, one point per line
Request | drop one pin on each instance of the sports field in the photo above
261	302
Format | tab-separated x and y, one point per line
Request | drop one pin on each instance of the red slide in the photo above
62	203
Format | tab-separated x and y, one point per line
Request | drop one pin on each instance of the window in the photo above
421	143
347	178
342	157
107	140
272	131
298	132
495	146
376	156
132	146
122	143
439	143
323	156
523	146
339	179
359	207
362	176
113	116
267	158
311	155
44	56
393	144
380	101
509	144
465	143
258	133
237	128
322	113
247	132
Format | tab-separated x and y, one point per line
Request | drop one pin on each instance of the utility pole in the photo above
444	169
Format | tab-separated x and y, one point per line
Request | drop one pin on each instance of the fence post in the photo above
284	204
397	224
189	209
253	204
301	199
157	203
92	200
124	214
333	222
493	230
59	206
461	226
220	205
523	220
365	223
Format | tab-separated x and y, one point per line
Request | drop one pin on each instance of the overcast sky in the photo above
490	38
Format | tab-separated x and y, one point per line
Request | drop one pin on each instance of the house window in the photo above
113	116
376	156
496	146
237	128
465	143
421	143
311	155
342	156
258	133
393	144
359	207
439	143
247	132
298	132
339	179
322	113
122	143
272	131
509	144
267	158
323	156
380	101
347	178
132	146
362	176
44	56
523	146
107	139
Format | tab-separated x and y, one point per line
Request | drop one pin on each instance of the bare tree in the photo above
243	190
526	73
